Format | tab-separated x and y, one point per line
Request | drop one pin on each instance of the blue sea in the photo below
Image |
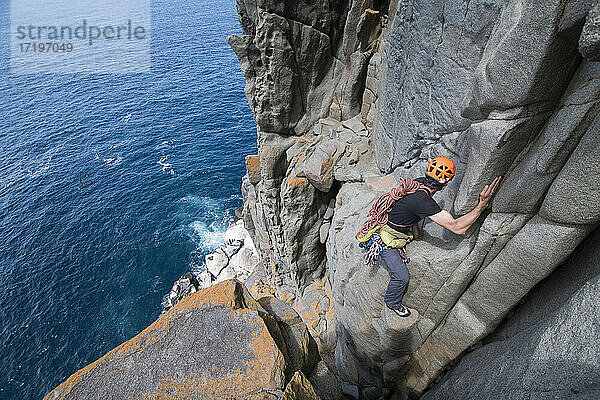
111	187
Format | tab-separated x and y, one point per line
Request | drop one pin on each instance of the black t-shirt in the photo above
412	208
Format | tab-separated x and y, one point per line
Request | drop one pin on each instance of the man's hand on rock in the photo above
462	224
488	192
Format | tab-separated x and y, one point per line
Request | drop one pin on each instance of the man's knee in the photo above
401	275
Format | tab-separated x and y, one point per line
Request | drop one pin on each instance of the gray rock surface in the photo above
287	59
537	74
536	167
494	145
574	197
325	382
302	351
546	349
237	258
429	57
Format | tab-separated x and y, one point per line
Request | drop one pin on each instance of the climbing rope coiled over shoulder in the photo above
381	208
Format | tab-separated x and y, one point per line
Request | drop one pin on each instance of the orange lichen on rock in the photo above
260	373
296	181
253	168
327	168
301	159
286	296
261	289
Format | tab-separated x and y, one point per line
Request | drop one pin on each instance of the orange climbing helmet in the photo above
442	169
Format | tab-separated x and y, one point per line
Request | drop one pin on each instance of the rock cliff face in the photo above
349	96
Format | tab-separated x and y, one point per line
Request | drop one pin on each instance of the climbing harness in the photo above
376	244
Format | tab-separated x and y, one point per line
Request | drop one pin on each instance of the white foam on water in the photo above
208	236
208	232
41	168
113	161
165	144
166	167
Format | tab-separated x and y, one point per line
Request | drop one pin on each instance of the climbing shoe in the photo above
402	311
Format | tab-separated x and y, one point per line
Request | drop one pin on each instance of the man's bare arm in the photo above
462	224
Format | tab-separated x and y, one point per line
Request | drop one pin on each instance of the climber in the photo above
394	221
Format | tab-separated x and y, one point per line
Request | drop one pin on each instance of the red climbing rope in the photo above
382	207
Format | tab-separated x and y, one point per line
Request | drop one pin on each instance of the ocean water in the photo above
111	187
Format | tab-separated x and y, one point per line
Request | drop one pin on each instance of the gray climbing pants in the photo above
399	279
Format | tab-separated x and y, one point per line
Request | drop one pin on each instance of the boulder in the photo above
354	124
299	388
227	273
216	262
317	166
236	258
186	284
316	308
325	383
216	343
244	261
